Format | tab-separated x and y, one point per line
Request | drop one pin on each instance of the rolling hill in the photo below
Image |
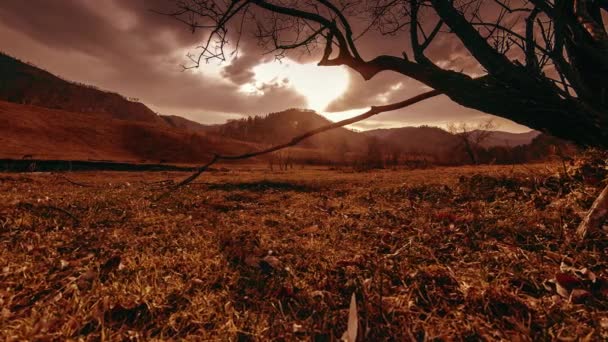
188	125
47	117
425	140
282	126
43	133
24	83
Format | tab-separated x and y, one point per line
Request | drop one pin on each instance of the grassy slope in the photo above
24	83
56	134
449	252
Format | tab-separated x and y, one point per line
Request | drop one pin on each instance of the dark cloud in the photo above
240	69
121	45
360	93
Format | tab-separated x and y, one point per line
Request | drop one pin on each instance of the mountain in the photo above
282	126
44	133
188	125
26	84
47	117
424	139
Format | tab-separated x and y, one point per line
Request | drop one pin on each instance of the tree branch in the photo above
347	28
343	53
531	60
418	47
374	110
487	56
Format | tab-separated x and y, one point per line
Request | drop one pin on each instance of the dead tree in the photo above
544	62
282	158
471	137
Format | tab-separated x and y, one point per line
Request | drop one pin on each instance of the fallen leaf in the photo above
567	281
297	328
350	335
562	291
272	261
310	230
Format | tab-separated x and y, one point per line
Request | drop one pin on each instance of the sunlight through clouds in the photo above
319	85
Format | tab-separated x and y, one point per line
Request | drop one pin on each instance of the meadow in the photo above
459	253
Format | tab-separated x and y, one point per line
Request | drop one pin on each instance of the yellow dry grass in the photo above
444	253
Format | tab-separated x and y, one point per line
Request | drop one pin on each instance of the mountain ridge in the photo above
54	114
25	83
45	133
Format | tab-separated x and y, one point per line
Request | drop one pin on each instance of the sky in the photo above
123	46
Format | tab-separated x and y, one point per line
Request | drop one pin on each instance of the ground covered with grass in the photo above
476	253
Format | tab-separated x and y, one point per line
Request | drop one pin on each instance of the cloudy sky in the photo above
121	45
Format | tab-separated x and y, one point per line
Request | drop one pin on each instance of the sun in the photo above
319	85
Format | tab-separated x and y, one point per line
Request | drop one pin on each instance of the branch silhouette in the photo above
374	110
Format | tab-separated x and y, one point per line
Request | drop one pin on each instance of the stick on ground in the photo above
596	215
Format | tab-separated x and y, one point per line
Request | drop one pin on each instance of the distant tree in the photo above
472	137
282	159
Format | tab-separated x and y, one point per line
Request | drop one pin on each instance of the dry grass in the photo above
446	253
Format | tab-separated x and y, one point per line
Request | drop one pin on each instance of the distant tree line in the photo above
462	145
270	128
542	148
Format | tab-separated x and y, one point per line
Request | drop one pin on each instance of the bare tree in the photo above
281	158
544	62
472	137
284	159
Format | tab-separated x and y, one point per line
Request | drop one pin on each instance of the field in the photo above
467	253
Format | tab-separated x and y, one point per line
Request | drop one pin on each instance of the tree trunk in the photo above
531	102
530	98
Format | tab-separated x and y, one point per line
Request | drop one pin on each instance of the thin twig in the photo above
72	216
75	183
31	206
